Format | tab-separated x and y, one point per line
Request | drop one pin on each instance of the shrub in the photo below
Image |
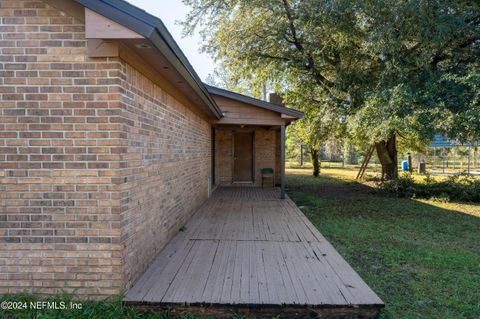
455	188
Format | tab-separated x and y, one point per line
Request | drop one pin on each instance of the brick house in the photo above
109	142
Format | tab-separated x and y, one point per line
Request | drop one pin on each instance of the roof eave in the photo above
256	102
155	31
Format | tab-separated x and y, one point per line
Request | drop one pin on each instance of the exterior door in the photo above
243	157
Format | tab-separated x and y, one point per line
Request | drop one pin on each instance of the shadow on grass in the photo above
422	258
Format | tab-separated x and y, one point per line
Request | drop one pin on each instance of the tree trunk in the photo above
315	161
475	157
387	154
301	155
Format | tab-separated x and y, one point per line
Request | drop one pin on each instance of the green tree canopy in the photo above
378	67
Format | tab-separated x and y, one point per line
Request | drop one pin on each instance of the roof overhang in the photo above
285	112
152	29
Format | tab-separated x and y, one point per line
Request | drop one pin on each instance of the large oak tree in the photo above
380	68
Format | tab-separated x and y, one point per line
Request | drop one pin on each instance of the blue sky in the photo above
170	11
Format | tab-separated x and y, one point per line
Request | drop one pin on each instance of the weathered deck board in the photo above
247	248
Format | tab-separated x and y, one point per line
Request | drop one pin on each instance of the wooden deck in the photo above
246	251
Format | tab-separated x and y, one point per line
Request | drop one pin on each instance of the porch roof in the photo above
292	113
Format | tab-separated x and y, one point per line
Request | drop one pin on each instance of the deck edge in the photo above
324	311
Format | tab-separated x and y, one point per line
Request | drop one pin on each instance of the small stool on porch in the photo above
267	175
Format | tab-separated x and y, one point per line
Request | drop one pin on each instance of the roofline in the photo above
254	101
153	29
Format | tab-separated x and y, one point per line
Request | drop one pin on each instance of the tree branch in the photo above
441	56
310	63
273	57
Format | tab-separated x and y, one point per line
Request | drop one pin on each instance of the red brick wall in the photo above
168	168
223	156
264	153
98	166
61	144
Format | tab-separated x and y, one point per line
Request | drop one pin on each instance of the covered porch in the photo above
249	139
248	252
242	151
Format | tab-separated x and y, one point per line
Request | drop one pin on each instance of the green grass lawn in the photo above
421	257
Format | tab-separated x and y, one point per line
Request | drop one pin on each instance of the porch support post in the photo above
282	162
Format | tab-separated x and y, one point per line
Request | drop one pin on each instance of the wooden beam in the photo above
246	128
285	116
100	27
98	48
282	162
249	121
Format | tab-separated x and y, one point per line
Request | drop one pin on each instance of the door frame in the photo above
253	156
